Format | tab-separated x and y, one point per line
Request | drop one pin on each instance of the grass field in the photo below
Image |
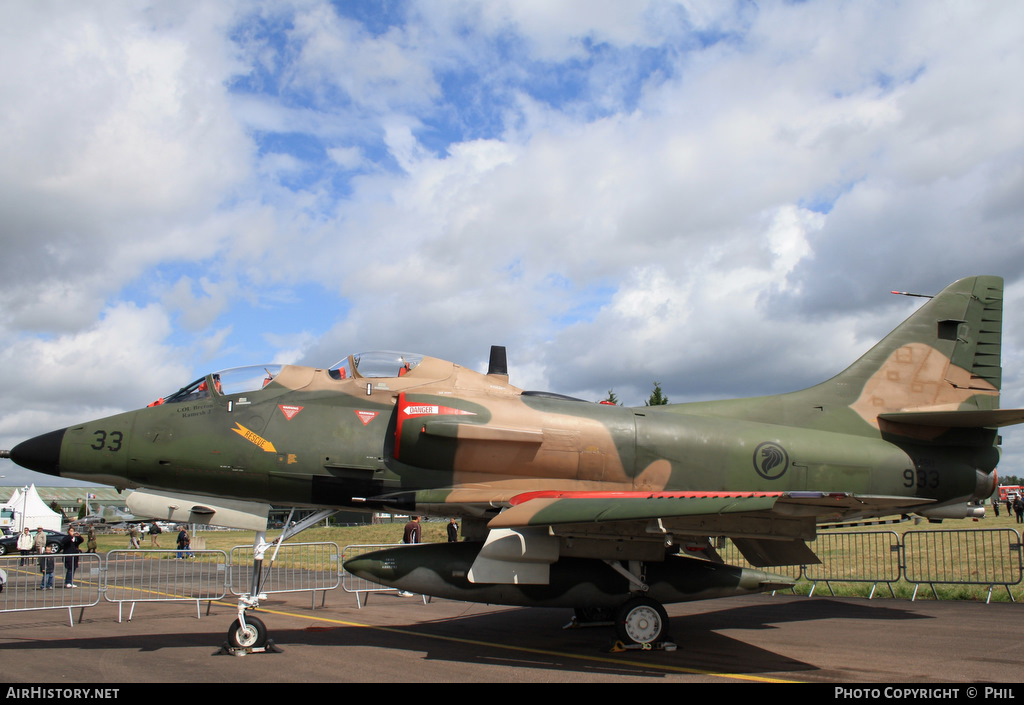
433	532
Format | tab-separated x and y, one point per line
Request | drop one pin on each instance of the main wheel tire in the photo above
642	621
252	636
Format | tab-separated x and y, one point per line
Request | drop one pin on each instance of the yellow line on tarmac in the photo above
474	642
537	652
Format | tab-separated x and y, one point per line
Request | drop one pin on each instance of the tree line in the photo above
657	397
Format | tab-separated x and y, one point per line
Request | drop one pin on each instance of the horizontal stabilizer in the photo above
970	418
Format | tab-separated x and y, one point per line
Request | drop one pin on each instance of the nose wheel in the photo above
248	635
252	634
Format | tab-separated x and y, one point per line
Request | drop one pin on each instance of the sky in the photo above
715	196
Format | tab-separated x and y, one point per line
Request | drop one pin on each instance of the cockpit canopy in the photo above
379	363
242	380
238	380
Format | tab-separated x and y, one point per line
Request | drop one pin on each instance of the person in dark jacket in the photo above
413	531
69	547
46	565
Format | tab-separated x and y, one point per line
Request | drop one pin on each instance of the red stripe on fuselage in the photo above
559	494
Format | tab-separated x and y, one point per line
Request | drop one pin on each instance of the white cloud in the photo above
119	362
197	311
121	134
376	72
347	157
712	195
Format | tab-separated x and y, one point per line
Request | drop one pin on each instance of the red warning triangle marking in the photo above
366	416
289	411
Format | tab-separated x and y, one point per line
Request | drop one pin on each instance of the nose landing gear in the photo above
248	634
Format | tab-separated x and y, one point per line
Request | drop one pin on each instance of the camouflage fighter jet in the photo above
108	515
566	502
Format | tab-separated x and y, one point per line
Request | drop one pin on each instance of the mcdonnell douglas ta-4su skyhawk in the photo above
566	502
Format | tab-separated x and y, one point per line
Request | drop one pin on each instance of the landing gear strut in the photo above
641	622
248	633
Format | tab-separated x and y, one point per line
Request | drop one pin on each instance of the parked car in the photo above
9	542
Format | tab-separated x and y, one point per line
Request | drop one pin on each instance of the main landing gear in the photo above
640	622
248	633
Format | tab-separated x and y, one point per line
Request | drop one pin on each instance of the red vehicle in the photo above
1010	492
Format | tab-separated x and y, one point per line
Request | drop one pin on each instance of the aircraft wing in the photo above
561	508
769	528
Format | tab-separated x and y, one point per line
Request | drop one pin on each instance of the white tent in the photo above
31	511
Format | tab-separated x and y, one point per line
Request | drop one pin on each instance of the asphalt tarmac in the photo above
757	639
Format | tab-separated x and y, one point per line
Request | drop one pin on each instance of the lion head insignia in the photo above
770	460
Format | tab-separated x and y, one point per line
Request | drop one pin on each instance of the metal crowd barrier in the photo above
856	557
24	586
965	557
297	567
991	557
164	575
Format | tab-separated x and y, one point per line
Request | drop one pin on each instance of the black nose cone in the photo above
41	453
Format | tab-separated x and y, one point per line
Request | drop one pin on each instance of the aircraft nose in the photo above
41	453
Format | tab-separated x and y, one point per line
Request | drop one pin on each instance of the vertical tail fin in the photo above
945	357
